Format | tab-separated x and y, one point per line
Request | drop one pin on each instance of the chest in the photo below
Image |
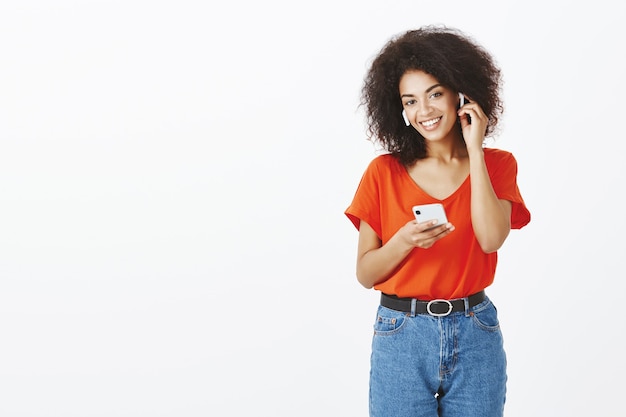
439	180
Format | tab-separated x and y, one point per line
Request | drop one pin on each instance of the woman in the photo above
431	97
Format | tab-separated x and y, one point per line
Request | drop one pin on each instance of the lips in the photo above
431	122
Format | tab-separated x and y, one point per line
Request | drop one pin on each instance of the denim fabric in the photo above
425	366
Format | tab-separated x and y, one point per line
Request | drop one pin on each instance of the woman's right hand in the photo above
423	235
376	261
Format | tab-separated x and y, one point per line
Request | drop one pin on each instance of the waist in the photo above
438	307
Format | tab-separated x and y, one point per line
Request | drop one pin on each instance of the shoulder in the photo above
382	168
497	154
500	163
385	161
496	157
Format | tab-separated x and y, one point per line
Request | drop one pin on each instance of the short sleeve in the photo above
504	180
366	201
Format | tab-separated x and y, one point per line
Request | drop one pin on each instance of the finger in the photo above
475	112
426	225
434	235
437	231
443	228
464	120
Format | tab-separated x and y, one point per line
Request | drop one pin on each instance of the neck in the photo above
447	150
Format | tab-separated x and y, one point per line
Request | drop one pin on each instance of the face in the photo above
430	107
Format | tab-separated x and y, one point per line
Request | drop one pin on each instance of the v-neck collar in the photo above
450	197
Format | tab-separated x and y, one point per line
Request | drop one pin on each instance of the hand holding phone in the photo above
426	212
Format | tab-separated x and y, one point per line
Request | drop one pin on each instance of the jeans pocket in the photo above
388	321
485	316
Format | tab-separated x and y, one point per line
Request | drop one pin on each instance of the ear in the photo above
406	119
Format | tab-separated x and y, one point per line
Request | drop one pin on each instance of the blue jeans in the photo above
426	366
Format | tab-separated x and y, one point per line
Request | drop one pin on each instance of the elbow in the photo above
492	238
491	245
367	276
490	248
366	285
364	280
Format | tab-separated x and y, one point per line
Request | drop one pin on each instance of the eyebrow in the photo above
428	90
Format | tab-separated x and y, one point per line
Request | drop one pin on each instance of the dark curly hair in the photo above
449	55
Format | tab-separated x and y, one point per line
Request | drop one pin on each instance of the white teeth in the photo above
429	123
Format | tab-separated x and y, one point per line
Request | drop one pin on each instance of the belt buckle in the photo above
439	300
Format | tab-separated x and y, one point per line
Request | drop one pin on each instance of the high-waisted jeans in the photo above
426	366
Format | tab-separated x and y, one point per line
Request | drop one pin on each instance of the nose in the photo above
423	108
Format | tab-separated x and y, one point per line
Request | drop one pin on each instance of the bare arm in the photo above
375	261
491	217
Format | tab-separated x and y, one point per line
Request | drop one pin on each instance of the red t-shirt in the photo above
455	266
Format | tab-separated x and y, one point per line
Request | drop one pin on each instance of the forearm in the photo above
490	219
376	265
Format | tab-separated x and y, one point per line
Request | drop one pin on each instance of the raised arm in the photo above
491	217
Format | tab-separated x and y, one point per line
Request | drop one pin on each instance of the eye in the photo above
409	102
435	94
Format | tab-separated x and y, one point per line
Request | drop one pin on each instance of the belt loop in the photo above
466	301
413	306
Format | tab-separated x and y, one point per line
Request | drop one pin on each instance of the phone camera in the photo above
418	212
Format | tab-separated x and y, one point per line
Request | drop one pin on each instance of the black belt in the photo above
437	307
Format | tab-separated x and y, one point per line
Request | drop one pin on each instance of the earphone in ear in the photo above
462	102
406	119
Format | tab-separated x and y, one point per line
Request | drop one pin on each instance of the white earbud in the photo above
406	119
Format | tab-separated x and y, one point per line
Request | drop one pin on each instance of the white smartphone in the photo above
426	212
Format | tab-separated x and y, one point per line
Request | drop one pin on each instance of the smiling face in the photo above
430	107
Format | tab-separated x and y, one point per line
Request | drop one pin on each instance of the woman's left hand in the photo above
474	132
